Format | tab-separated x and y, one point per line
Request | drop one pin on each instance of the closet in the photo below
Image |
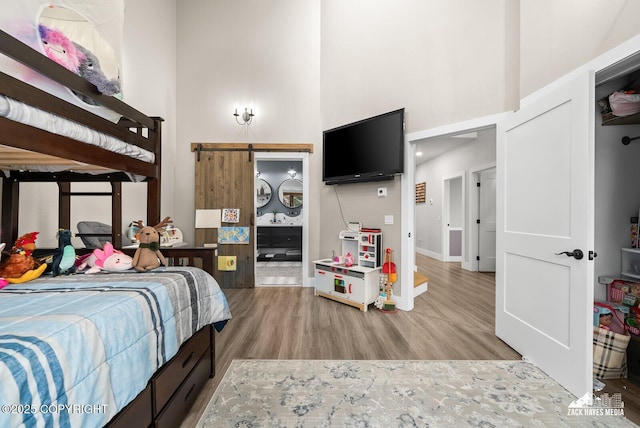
617	189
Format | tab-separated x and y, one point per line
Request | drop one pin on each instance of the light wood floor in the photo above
453	320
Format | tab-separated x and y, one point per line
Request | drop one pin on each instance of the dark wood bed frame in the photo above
175	386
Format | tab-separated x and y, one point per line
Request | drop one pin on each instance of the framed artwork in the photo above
421	193
233	235
230	215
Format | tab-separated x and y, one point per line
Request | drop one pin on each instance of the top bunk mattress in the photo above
29	115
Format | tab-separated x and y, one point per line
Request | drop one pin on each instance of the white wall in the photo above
477	153
558	36
442	61
264	54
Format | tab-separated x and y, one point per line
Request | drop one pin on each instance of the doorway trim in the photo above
408	189
474	214
304	157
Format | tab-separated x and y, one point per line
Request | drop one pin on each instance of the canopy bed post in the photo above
153	183
64	205
10	198
116	213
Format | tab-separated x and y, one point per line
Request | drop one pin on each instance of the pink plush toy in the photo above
3	282
108	259
60	49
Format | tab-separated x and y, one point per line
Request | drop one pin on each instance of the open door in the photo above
545	219
225	179
487	221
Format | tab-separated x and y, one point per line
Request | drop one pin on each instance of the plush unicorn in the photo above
108	259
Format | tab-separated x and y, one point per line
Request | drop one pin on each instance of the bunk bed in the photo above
178	307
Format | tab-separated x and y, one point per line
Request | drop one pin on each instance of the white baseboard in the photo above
428	253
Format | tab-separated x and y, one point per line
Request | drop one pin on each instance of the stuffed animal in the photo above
90	69
19	265
108	259
19	260
64	261
60	48
3	282
148	255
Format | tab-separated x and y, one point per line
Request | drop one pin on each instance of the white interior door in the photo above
545	192
453	215
487	226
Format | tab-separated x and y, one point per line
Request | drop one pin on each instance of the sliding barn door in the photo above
225	179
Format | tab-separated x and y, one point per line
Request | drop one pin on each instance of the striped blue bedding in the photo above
75	350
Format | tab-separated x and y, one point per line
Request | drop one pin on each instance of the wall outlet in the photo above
382	192
388	219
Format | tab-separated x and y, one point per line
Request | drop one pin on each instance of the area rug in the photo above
321	393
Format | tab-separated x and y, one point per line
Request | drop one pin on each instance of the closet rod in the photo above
627	140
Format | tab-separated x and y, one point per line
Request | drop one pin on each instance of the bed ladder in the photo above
64	209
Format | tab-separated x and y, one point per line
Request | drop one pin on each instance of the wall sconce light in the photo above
247	116
292	172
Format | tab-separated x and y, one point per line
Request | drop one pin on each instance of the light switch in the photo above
388	219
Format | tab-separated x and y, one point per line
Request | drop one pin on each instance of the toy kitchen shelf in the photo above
357	286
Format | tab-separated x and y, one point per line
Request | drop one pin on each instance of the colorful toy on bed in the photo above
3	282
90	69
64	260
18	265
148	255
108	259
60	48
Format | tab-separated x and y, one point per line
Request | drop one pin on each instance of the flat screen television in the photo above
368	150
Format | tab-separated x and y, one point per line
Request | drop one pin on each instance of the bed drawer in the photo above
136	414
176	370
173	415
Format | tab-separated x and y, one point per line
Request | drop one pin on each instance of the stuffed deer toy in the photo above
148	255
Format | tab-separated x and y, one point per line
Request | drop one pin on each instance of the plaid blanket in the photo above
609	354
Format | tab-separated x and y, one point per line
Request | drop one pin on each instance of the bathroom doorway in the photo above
281	220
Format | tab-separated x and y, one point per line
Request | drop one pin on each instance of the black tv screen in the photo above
368	150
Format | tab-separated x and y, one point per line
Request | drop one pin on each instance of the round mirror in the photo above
263	191
72	41
290	193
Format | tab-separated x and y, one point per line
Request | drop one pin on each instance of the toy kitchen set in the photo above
354	277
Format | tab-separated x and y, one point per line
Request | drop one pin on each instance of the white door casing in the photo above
545	205
487	226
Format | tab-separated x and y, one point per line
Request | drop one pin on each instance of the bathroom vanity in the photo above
279	242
